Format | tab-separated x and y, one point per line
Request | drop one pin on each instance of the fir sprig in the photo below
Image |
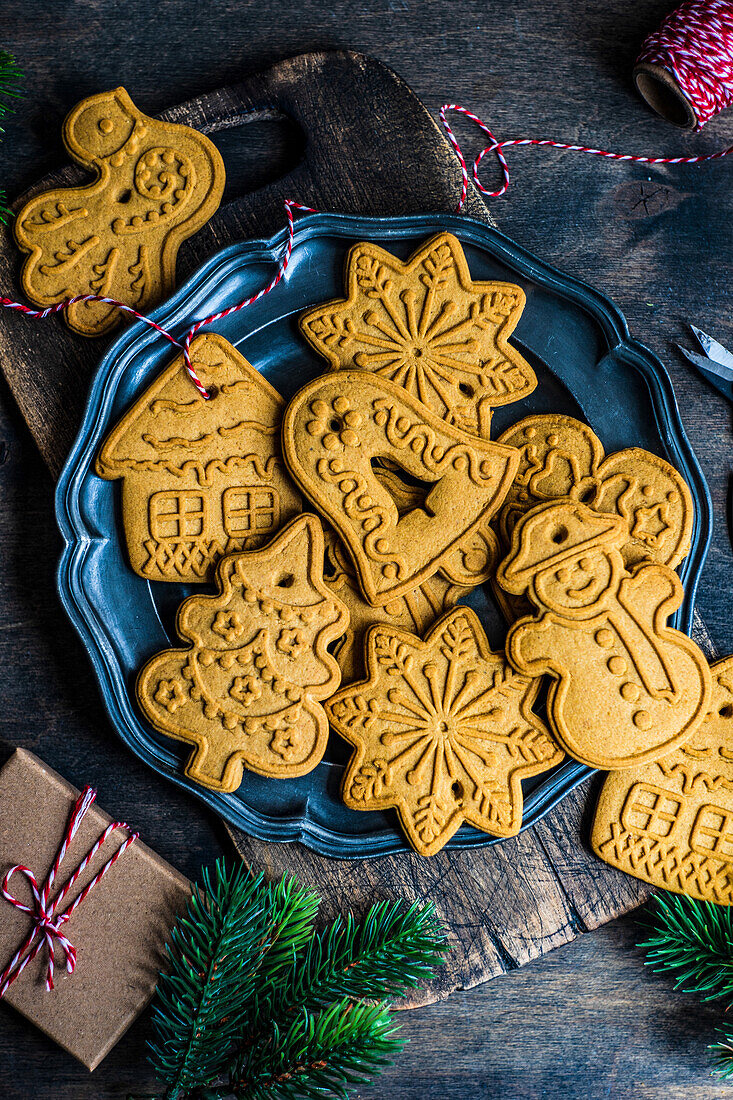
11	79
257	1004
321	1054
236	932
392	950
693	942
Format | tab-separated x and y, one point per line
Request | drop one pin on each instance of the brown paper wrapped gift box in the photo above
119	931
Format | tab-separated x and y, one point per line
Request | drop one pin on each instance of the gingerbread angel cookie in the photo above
200	478
426	325
443	731
246	691
628	689
563	458
331	444
157	184
670	823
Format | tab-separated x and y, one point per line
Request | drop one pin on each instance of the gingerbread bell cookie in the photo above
427	326
246	691
443	731
670	823
628	689
157	184
200	478
331	443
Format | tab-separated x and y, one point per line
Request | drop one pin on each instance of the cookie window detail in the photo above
651	811
177	515
712	833
250	510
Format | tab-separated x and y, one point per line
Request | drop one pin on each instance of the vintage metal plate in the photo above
587	366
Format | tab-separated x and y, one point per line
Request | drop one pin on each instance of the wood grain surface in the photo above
587	1021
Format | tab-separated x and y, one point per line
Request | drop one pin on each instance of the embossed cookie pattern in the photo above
627	688
157	184
246	691
426	325
331	443
443	731
200	478
670	823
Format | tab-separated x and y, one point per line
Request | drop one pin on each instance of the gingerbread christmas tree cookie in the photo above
671	822
200	478
443	731
246	691
332	443
426	325
157	184
628	688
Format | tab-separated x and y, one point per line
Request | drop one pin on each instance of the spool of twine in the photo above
685	69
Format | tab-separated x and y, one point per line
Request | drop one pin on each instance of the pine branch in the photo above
692	940
11	79
394	949
236	929
320	1054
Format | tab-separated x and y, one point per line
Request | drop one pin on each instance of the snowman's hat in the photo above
552	534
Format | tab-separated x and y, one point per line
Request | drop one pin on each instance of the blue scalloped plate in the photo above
587	366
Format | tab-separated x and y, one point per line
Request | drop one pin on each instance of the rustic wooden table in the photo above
588	1020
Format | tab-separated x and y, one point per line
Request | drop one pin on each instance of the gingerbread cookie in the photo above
426	325
415	611
246	691
200	478
628	689
157	184
562	458
330	443
670	823
443	731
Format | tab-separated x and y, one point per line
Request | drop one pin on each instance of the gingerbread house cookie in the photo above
200	478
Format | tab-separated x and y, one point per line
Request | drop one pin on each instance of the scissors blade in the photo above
714	351
717	376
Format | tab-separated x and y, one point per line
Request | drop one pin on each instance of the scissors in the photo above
715	365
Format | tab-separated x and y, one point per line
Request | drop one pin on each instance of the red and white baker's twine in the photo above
185	343
695	42
47	921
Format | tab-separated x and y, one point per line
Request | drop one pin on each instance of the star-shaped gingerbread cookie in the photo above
443	731
426	325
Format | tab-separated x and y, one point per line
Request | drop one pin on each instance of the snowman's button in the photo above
617	665
643	720
630	692
604	638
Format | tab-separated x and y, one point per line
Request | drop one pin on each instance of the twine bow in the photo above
47	921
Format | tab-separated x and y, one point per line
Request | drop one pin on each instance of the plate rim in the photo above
175	315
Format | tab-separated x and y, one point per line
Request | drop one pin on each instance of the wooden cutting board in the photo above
370	148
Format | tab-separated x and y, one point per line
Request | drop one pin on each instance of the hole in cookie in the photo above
559	535
335	425
465	388
457	790
407	491
726	711
212	391
586	494
124	196
286	581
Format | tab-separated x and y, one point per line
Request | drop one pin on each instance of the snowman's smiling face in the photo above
577	583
